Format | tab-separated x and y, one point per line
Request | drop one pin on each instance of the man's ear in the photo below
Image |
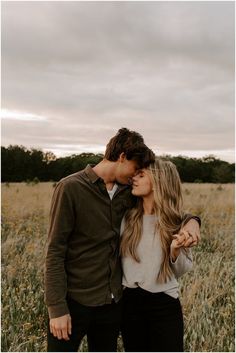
121	157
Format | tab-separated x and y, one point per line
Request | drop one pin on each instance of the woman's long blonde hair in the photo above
167	209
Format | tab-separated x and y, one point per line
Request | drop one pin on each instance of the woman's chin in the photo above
134	192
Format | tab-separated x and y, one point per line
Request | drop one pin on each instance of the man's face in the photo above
126	170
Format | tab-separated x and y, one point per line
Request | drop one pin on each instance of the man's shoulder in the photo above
72	180
72	177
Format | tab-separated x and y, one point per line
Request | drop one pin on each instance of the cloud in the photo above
165	69
13	115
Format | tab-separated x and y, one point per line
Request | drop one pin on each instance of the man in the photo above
83	273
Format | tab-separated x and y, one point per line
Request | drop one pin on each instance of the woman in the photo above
155	252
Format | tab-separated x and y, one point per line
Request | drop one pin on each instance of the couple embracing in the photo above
118	241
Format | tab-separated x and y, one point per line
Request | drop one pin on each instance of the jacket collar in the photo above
91	173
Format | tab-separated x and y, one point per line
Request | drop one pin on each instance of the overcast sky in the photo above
73	73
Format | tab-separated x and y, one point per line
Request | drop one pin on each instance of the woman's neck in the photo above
148	205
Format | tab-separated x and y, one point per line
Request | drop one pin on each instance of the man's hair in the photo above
133	146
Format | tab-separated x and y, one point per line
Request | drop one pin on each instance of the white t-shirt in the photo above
112	191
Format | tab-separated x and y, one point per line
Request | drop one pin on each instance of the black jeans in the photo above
101	324
151	322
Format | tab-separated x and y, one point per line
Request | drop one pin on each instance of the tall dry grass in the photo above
207	292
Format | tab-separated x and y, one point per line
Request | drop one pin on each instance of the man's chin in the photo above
125	181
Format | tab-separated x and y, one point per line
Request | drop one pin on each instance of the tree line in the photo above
21	164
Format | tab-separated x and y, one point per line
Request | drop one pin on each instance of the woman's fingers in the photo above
195	237
192	240
180	238
188	243
185	239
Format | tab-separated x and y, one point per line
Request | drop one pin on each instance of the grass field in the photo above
207	292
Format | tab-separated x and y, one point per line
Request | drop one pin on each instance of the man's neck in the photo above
106	171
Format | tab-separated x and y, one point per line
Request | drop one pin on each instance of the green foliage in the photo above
197	181
19	164
208	169
35	180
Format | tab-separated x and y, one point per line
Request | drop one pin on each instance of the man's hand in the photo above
193	229
61	327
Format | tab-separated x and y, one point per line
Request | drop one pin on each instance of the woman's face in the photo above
142	185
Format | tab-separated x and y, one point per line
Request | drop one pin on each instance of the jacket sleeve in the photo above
183	263
62	220
189	216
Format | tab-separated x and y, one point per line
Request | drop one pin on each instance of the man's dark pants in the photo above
101	324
